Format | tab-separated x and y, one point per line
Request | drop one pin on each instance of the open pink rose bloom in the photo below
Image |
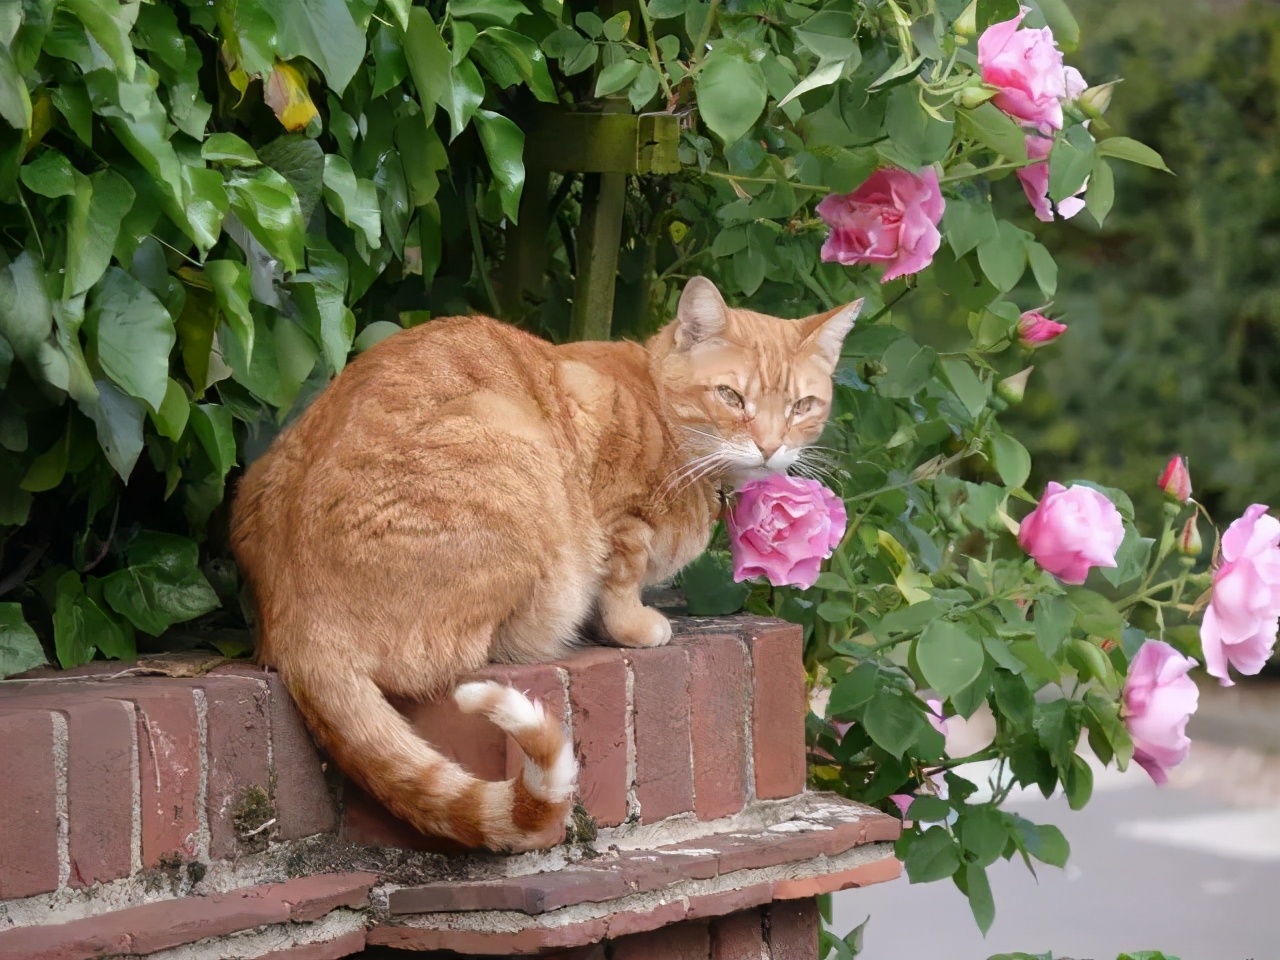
892	219
1073	530
1026	67
1159	699
782	528
1240	624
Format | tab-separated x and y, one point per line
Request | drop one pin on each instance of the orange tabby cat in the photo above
466	493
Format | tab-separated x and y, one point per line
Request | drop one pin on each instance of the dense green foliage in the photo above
207	207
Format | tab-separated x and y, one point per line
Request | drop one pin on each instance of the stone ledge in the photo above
822	827
173	923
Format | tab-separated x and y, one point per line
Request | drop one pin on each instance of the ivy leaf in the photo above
731	94
97	210
118	418
510	58
495	11
709	588
429	59
133	333
267	205
330	320
228	149
20	648
285	91
354	200
50	174
162	585
15	101
212	426
81	627
503	144
323	31
171	416
389	63
400	8
26	315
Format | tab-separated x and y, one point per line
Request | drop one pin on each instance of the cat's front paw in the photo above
638	627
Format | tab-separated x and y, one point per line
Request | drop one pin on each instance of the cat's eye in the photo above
730	396
803	406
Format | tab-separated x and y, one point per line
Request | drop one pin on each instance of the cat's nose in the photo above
768	450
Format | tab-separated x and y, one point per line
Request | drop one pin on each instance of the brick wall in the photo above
190	797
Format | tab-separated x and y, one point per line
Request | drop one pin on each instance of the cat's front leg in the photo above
625	620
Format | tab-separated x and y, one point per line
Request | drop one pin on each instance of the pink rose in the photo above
1071	531
782	528
1175	481
1026	67
1035	183
1240	625
1035	330
1159	699
891	219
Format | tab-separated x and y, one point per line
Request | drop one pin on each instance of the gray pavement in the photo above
1192	869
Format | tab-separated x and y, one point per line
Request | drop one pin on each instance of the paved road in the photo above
1182	869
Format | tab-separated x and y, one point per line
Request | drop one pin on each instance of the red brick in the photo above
737	937
529	940
28	797
598	692
729	901
238	732
664	752
168	767
631	922
304	805
778	710
100	788
173	923
793	930
877	871
680	941
718	703
343	946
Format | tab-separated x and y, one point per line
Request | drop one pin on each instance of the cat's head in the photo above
747	391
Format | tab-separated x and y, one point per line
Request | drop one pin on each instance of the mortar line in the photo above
748	736
202	788
61	804
633	795
135	788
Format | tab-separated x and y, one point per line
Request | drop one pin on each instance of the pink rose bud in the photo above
1159	699
1013	389
1026	67
892	219
1176	480
782	528
1243	616
1035	183
1189	542
1035	330
1072	531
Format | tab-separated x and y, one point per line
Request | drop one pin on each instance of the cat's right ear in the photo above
702	314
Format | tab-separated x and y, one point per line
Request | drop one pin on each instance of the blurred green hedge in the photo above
1174	307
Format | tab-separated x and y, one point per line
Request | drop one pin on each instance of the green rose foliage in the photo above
209	206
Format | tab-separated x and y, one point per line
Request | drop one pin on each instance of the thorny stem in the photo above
653	50
767	180
705	33
993	168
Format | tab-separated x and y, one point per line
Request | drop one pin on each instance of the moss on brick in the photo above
253	816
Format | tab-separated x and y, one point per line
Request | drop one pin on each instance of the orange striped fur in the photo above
465	493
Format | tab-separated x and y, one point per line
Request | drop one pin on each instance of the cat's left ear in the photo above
826	331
